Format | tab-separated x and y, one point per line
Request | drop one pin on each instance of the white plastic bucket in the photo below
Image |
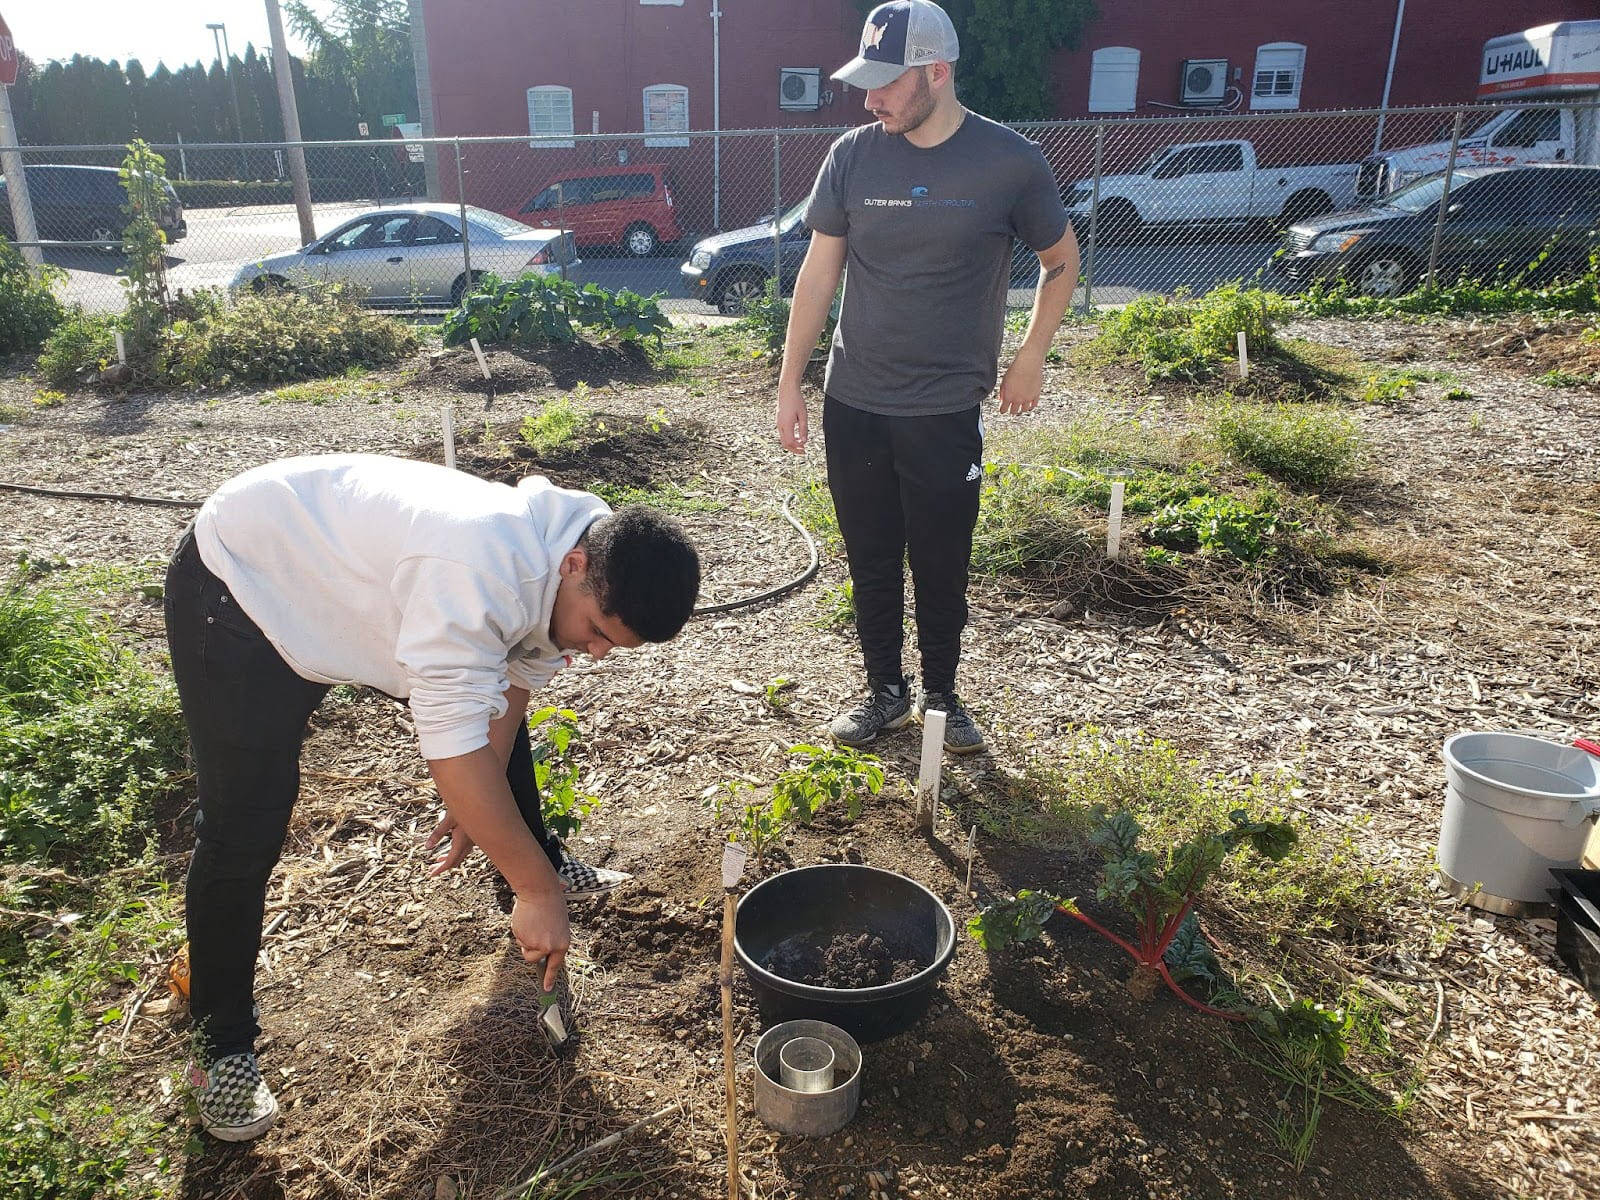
1515	806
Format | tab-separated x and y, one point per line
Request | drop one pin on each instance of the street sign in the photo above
8	56
392	119
361	127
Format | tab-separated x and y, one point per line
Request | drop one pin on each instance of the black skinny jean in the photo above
906	487
246	712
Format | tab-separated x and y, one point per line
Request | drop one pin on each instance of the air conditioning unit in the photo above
799	88
1204	81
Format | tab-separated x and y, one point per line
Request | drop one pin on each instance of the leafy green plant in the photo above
776	693
759	825
144	248
1577	291
837	605
1566	379
556	423
80	343
555	769
537	310
1218	525
1187	338
89	739
1160	896
826	775
29	308
1309	445
1390	387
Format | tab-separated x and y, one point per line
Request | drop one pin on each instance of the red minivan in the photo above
627	206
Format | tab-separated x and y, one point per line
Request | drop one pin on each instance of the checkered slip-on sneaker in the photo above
961	732
583	880
235	1104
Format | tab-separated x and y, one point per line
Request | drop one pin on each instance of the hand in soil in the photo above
539	923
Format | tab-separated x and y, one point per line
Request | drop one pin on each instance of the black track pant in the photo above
246	712
906	486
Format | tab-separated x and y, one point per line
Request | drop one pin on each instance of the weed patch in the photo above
555	424
1190	339
29	309
1309	446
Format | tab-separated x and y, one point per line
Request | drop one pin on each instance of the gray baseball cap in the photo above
899	35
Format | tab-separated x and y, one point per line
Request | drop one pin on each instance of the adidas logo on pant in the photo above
974	472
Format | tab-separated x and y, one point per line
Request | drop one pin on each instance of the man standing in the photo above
457	594
918	212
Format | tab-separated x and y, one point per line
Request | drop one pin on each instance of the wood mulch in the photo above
396	1015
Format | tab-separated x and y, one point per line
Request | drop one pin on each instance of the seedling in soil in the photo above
775	693
826	774
1167	946
758	826
556	771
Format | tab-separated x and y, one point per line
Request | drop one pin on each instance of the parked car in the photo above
1496	221
85	204
412	255
730	269
1210	183
630	206
1511	137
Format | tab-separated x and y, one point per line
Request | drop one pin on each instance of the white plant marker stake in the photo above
1114	521
1244	357
932	763
483	363
122	351
972	844
450	437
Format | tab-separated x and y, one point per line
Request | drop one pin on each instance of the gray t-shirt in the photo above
928	260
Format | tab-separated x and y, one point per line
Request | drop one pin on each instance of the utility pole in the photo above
11	157
291	125
225	57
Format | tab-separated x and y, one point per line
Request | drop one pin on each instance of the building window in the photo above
1114	79
666	111
550	116
1279	68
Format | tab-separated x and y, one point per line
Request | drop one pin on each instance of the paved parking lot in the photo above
219	240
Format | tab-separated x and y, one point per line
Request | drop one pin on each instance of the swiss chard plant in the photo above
1166	944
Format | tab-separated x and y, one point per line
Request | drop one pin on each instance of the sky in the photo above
170	31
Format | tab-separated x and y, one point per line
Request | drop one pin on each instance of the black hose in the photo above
727	606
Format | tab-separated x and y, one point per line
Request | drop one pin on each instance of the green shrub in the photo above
1306	445
29	309
555	424
82	342
1182	338
536	310
1577	292
89	740
767	317
1218	525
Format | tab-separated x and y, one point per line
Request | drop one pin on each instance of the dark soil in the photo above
850	959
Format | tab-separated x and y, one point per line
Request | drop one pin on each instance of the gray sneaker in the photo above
886	706
961	732
234	1101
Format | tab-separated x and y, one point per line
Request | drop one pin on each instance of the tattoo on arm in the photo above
1053	273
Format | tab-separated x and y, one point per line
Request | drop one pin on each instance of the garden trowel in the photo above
555	1011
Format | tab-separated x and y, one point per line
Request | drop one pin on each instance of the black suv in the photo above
84	204
728	270
1498	222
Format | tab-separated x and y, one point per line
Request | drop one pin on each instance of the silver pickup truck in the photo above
1210	183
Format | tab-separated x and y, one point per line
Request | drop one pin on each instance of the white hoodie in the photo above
408	577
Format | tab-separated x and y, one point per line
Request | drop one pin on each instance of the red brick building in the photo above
670	67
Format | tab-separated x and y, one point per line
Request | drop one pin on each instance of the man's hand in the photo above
460	844
792	422
539	923
1021	384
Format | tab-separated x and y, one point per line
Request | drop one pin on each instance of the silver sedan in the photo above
414	255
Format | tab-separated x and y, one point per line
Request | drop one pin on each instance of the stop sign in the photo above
8	56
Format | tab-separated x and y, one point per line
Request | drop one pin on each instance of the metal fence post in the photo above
777	212
1444	201
461	201
1094	213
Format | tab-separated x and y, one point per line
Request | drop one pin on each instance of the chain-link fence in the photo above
1383	199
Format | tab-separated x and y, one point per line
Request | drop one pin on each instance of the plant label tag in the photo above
733	859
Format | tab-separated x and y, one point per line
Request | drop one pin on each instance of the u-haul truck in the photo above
1558	62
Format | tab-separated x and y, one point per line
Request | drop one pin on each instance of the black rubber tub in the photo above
795	911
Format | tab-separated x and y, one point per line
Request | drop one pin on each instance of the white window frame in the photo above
1278	55
550	138
1107	64
655	136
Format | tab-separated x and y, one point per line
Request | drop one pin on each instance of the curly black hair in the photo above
644	570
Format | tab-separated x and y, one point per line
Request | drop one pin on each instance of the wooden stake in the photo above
725	978
450	437
932	764
1244	357
483	363
122	351
1114	521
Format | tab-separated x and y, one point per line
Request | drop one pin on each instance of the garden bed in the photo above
398	1034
